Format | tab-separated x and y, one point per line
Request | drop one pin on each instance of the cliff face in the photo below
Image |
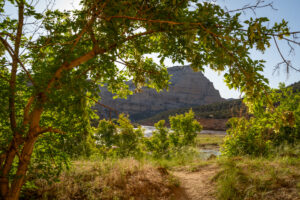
188	88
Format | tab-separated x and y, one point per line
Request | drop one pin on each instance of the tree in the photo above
49	76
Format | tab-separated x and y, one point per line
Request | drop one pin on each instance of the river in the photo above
149	129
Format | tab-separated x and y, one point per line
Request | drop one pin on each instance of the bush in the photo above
129	141
184	129
159	143
244	138
119	139
275	121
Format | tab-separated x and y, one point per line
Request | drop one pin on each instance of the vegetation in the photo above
259	178
120	139
209	140
219	110
53	62
109	179
271	125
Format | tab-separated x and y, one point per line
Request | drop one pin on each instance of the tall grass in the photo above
259	178
109	179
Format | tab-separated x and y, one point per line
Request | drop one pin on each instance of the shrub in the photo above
159	143
244	138
119	139
129	141
184	129
105	134
275	121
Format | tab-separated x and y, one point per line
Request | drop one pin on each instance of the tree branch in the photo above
288	64
259	4
91	54
151	20
13	56
103	105
50	129
27	109
14	68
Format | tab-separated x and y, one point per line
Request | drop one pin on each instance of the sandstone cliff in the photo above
187	89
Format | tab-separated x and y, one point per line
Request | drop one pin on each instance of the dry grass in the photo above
122	179
259	178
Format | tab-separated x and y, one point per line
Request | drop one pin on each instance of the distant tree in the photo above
52	63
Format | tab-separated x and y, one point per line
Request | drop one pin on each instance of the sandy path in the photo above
196	185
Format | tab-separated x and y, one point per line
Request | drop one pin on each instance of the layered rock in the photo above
187	89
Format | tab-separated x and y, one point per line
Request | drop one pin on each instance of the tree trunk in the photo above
24	161
5	169
13	192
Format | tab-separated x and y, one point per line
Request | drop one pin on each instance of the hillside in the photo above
296	86
212	116
187	89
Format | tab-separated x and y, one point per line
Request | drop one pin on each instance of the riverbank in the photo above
184	176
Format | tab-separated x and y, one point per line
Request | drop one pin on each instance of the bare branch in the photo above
287	62
105	106
257	5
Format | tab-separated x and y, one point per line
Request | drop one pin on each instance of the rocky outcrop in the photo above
187	89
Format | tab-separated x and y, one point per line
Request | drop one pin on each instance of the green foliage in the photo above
272	124
182	133
184	129
159	143
129	140
59	69
244	137
105	134
119	139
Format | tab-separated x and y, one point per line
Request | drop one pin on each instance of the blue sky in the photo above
286	9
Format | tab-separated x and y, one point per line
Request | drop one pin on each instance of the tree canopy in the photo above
52	64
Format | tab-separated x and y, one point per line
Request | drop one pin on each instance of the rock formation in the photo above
187	89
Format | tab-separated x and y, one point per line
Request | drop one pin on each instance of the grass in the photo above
209	140
109	179
258	178
248	178
189	160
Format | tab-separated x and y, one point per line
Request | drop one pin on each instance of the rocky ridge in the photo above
187	89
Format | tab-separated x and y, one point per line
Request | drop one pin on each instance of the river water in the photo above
149	129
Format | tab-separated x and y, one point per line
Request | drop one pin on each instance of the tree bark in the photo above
12	148
13	192
24	161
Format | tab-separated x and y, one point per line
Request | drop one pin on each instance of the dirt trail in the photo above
196	185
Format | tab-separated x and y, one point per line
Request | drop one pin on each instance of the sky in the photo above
285	9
